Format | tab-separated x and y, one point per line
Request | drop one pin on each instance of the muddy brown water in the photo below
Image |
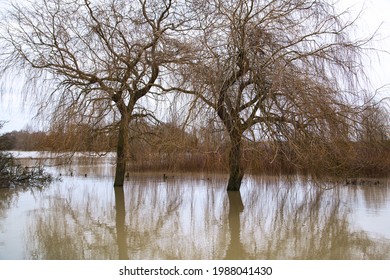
191	216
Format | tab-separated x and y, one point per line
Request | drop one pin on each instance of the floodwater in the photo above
191	216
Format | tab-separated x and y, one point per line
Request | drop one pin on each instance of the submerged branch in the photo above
14	175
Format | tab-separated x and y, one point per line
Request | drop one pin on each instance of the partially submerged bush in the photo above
13	174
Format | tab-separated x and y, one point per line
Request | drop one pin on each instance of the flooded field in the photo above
191	216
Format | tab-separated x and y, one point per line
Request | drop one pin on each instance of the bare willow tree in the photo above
96	59
279	70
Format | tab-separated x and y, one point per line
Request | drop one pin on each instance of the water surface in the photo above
191	216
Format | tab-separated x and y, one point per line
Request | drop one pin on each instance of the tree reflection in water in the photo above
195	219
307	222
120	216
235	250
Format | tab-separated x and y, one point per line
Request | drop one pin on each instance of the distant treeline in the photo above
168	147
22	140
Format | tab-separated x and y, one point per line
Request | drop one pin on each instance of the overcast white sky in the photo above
376	13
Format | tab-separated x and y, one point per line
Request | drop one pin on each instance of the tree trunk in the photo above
121	152
235	168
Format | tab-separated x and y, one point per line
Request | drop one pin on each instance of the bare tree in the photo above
279	70
96	59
